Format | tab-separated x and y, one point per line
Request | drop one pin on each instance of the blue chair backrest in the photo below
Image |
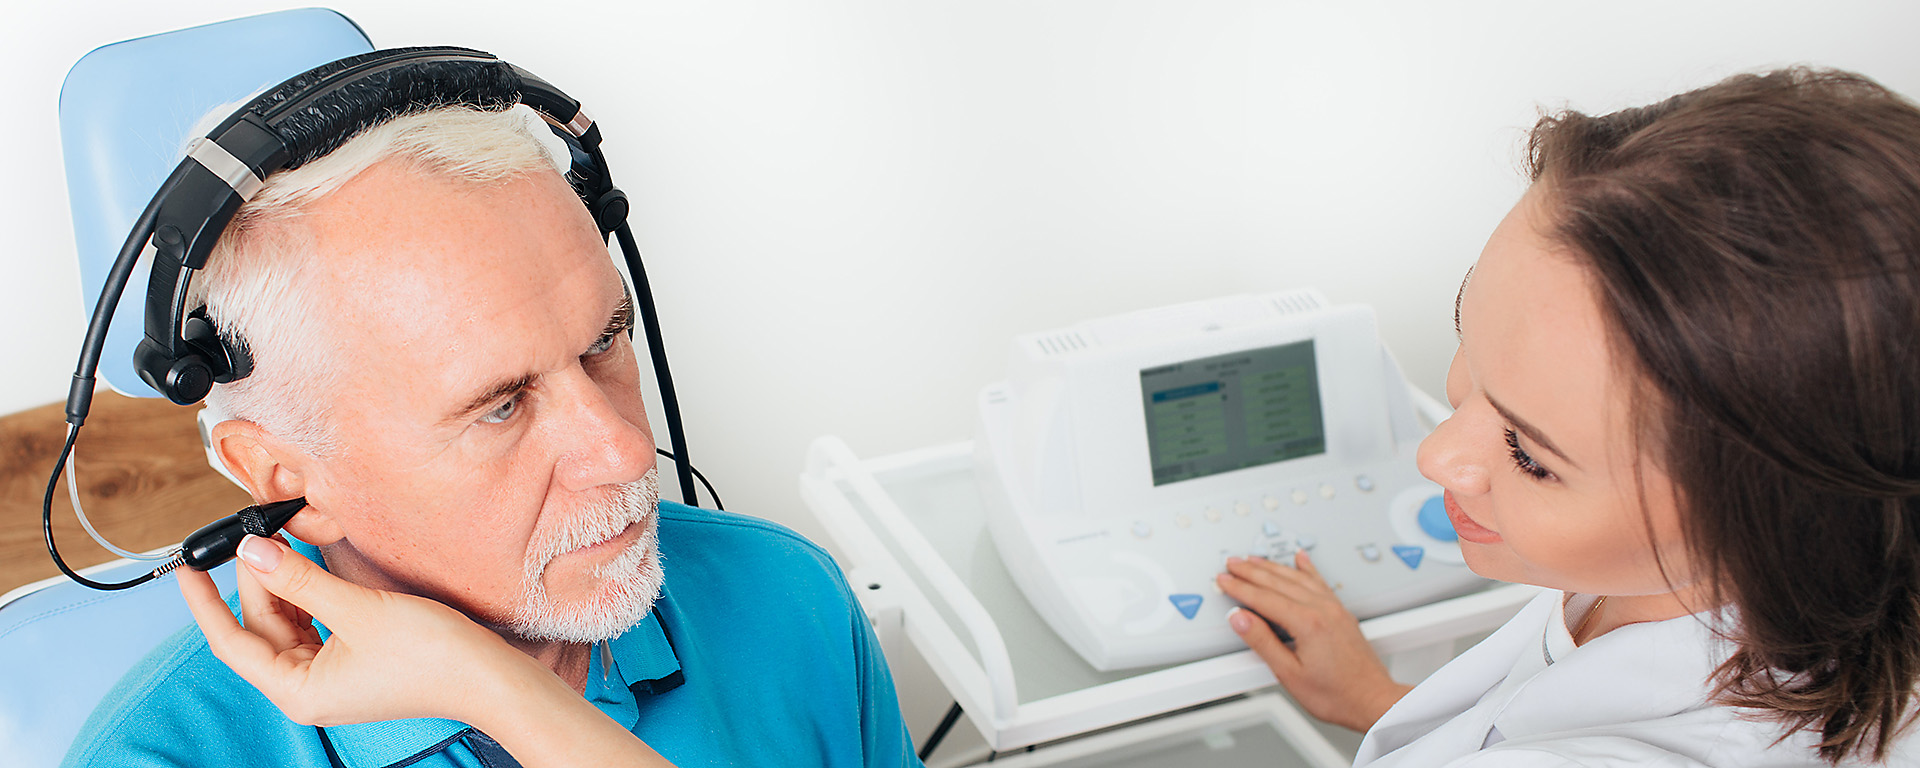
125	112
63	646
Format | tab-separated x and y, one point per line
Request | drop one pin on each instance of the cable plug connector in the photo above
208	547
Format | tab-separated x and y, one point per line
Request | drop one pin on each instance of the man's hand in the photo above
1330	669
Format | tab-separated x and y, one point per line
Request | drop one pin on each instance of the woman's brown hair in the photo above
1756	245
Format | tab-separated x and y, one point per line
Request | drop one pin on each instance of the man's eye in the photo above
502	413
600	347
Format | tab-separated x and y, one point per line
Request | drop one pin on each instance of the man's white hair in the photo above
257	281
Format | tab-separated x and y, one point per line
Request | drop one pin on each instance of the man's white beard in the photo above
627	586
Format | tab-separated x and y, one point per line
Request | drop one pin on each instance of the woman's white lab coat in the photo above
1636	696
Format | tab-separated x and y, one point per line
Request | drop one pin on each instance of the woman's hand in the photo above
1329	667
393	656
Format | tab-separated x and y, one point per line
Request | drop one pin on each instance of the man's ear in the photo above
272	470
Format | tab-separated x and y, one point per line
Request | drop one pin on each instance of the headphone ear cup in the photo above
182	380
609	210
189	380
226	363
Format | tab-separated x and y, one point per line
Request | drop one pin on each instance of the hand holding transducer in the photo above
393	656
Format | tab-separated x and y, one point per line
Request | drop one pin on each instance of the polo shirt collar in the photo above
644	664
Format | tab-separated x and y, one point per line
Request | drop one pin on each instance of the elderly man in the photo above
443	370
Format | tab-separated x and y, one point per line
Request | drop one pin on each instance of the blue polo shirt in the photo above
755	654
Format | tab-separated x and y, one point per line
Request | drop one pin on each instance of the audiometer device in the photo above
1124	459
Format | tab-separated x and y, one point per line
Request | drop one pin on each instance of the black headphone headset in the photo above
182	355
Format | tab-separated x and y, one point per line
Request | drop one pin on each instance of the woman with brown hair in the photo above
1687	402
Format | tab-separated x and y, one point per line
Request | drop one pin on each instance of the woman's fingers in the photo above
1276	575
304	586
203	599
269	617
247	653
298	615
386	656
1289	613
1260	636
1303	561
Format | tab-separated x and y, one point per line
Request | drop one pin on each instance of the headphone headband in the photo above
294	123
316	112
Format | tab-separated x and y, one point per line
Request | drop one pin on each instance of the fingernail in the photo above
260	553
1238	619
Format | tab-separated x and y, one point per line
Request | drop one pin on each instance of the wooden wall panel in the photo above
143	478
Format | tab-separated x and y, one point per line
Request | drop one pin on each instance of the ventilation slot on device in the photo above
1297	302
1060	343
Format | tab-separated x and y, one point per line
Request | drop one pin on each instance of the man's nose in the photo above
600	445
1455	457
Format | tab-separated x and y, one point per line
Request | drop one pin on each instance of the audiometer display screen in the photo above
1219	414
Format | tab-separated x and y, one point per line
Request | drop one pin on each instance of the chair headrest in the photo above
126	110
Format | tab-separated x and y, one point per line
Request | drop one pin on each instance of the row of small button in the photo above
1240	508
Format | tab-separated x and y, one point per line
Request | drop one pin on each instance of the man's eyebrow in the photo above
618	322
622	318
1457	298
490	396
1533	433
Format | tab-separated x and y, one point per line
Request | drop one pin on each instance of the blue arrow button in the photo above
1187	605
1409	554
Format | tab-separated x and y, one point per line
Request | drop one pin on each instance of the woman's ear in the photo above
272	470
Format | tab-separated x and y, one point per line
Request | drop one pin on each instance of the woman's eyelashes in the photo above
1523	460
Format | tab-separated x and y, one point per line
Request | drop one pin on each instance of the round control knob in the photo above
1433	520
1142	530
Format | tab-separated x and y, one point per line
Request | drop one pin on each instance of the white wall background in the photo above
849	206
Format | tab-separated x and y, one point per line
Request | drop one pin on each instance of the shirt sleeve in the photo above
182	707
884	738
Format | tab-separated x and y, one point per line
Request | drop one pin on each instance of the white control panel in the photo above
1126	458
